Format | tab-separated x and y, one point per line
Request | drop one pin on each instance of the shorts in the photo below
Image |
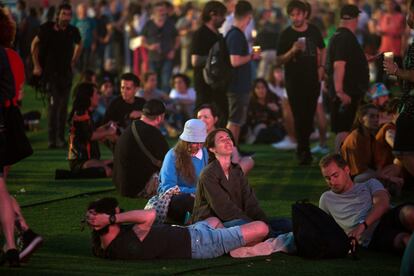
238	105
404	135
207	242
387	229
342	117
76	165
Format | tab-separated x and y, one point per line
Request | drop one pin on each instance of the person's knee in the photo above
407	217
261	229
401	241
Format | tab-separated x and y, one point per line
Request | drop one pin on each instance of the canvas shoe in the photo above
29	242
285	144
320	150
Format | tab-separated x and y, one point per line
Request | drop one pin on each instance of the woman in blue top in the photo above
182	166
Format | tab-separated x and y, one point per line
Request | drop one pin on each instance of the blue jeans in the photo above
163	68
208	242
277	226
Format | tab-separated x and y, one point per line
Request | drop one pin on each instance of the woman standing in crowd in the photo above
182	166
207	113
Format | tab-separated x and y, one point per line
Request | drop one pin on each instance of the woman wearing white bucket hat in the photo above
182	166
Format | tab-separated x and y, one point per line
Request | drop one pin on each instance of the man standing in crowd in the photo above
301	49
134	172
240	58
161	38
363	210
87	29
126	107
55	51
348	74
203	40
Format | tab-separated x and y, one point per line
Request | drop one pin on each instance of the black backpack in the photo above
317	235
217	70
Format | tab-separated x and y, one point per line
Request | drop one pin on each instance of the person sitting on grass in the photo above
363	210
183	98
264	115
208	114
182	166
359	150
223	190
83	139
141	239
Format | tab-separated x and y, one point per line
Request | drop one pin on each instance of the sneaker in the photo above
320	150
30	242
12	256
285	144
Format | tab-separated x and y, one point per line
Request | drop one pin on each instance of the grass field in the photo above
54	209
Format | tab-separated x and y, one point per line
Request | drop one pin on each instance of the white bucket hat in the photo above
194	131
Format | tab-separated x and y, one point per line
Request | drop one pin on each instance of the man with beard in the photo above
203	39
301	50
55	50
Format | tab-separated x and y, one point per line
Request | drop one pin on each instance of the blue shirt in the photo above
241	75
169	177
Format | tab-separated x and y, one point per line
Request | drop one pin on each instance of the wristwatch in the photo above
112	219
364	223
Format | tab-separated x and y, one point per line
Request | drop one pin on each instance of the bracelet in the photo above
112	219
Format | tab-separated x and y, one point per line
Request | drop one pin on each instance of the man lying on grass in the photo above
132	235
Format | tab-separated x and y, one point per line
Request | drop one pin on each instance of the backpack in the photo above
317	235
217	70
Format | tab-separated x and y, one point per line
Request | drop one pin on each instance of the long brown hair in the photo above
183	163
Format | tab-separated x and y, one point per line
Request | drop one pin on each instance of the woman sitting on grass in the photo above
207	113
181	167
83	139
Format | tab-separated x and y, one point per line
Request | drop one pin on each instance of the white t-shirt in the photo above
190	95
353	206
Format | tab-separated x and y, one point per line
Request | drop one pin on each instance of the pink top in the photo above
392	27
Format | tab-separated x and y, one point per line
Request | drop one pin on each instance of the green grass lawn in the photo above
54	209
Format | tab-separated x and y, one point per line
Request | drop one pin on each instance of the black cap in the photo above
349	12
153	108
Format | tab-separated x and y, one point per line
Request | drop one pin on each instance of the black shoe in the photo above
30	242
12	256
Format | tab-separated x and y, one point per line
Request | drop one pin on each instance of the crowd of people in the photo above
284	73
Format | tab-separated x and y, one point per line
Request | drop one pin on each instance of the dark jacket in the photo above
226	199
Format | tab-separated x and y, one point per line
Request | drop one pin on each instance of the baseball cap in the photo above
153	108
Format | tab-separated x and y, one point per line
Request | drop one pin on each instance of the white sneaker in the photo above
285	144
320	150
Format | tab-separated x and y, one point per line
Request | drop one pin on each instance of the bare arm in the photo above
198	61
37	69
380	205
76	53
289	55
339	74
237	60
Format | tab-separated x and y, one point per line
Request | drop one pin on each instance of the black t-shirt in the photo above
132	168
301	70
56	48
202	41
162	242
81	147
118	111
241	75
165	36
344	46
